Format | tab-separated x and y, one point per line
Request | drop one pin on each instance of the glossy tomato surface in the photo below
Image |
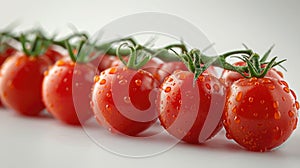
66	91
21	83
260	114
190	111
123	100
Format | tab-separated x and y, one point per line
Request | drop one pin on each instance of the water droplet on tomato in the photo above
67	88
250	99
283	98
112	70
239	96
277	115
266	81
65	80
138	82
286	89
297	105
237	119
262	101
123	82
208	86
96	78
127	99
170	79
107	107
295	124
173	116
60	63
234	109
272	87
291	114
108	94
275	104
284	83
253	79
102	81
201	78
46	73
294	94
168	89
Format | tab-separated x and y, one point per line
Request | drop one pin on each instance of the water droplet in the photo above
271	87
60	63
291	114
286	89
67	88
65	80
275	104
266	81
120	77
108	94
284	83
295	124
294	94
208	86
173	116
46	73
112	70
96	78
181	76
239	96
107	107
167	89
102	81
138	82
262	101
127	99
170	79
237	119
250	99
276	129
234	109
123	82
297	105
277	115
216	87
283	98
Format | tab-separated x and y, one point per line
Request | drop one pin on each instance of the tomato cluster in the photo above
127	92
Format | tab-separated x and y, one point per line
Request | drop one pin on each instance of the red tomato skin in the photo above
21	84
66	89
103	62
10	51
260	114
230	76
122	100
185	109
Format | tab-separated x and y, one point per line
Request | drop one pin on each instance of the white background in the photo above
44	142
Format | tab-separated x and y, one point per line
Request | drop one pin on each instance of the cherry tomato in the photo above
7	52
230	76
66	89
123	100
190	111
21	83
260	114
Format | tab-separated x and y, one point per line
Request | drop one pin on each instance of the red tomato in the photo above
230	76
260	114
21	83
123	100
66	90
8	51
191	112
